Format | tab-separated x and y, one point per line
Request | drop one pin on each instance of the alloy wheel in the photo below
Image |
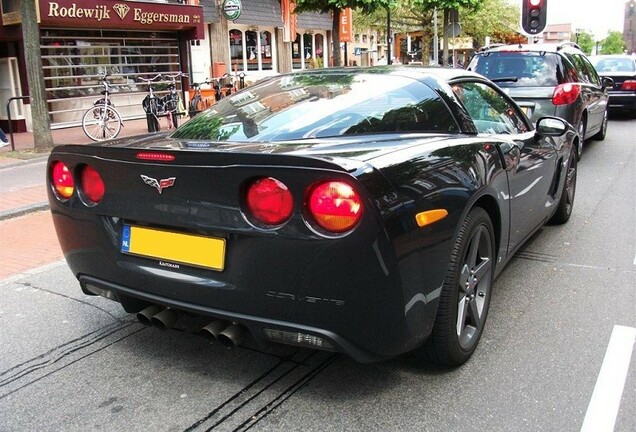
475	282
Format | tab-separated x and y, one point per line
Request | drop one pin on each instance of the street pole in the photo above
389	39
42	138
435	38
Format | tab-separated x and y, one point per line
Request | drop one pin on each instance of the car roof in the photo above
546	47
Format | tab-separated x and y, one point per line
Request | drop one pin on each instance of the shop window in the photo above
297	62
320	50
236	49
308	46
251	48
73	61
266	50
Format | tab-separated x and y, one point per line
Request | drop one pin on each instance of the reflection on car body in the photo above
352	220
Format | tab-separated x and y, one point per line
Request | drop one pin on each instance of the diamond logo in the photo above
121	9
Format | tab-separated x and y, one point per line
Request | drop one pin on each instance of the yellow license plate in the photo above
189	249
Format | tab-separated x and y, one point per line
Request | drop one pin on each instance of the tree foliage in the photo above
613	43
495	18
335	6
586	41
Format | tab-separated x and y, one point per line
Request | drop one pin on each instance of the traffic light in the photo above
533	16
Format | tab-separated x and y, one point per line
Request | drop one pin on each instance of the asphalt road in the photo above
76	363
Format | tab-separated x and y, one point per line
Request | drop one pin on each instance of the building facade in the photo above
256	45
629	27
81	40
132	40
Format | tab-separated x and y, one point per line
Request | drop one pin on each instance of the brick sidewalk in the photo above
29	241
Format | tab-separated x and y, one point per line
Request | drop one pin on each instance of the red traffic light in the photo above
533	16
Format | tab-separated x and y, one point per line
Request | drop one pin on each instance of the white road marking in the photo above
606	398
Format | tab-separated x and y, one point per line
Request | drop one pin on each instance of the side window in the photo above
590	71
582	69
490	111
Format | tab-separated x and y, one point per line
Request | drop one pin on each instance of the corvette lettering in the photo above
160	185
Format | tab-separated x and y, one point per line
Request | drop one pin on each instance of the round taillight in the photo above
269	201
62	180
335	206
566	94
92	185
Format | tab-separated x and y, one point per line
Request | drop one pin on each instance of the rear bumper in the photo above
132	300
622	101
294	286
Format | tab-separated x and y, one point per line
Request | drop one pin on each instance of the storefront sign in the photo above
116	14
231	9
346	25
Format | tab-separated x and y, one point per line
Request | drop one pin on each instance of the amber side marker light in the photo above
62	180
430	216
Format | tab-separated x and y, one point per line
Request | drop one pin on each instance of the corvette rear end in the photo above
259	243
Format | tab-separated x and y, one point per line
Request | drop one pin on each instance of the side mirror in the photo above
607	82
551	126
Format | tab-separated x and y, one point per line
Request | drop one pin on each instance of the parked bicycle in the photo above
198	102
151	105
172	105
223	86
102	121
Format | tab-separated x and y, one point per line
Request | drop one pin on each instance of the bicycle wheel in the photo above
101	123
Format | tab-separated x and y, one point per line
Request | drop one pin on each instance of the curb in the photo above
21	211
21	162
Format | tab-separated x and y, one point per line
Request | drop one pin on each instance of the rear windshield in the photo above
613	64
318	105
519	69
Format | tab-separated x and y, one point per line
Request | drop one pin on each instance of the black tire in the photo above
600	136
566	202
465	297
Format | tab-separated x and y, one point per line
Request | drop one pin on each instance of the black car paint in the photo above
287	281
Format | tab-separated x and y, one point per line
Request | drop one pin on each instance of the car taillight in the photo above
335	206
269	201
629	85
62	180
92	185
565	94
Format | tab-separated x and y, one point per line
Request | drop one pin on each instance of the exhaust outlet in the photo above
212	330
165	319
231	336
145	315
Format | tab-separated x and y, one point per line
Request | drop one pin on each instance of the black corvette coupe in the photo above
366	211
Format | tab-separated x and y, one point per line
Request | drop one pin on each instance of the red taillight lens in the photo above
629	85
565	94
335	206
269	201
62	180
92	184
